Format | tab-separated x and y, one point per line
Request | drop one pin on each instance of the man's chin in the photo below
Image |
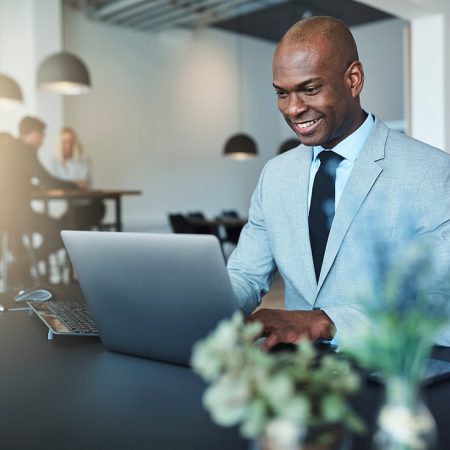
310	141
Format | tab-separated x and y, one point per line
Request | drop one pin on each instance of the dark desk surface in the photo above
71	393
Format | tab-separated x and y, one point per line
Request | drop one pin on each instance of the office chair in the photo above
179	224
229	214
201	225
196	215
232	230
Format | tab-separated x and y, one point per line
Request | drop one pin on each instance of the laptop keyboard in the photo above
75	315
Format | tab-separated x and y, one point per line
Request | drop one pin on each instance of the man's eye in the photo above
312	90
281	94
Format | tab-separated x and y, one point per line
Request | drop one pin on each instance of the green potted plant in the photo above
275	398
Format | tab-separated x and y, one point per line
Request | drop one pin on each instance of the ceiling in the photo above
272	22
265	19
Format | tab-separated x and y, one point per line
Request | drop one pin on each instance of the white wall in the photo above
429	96
163	105
30	31
161	109
380	47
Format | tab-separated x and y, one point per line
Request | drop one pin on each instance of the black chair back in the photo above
232	230
179	224
229	214
196	215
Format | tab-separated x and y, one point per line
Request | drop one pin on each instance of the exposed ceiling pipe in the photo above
109	10
186	15
213	15
157	15
243	9
168	8
138	11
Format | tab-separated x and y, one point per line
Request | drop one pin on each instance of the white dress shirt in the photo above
349	149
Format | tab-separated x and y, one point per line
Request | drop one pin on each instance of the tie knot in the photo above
328	156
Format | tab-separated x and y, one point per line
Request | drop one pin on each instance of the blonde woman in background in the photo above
70	163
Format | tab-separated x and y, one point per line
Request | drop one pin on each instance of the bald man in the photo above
352	163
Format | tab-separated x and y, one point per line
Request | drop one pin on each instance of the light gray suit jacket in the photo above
392	170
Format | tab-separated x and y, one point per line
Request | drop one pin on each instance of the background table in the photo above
74	194
71	393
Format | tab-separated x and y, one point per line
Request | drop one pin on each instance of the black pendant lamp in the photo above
288	145
10	93
240	146
64	73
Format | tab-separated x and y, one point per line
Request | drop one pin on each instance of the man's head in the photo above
31	130
318	79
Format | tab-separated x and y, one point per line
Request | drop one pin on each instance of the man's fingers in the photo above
270	342
258	316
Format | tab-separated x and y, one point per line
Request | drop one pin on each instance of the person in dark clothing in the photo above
5	137
30	175
20	173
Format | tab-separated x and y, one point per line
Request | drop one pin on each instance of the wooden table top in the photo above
82	193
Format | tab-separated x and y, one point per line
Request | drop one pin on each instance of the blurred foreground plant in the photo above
279	394
407	304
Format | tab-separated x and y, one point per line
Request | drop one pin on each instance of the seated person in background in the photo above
21	172
5	138
70	163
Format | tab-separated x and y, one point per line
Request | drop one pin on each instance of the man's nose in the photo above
294	105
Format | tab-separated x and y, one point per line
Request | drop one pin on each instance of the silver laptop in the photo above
152	295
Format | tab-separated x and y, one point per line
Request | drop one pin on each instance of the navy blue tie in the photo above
321	210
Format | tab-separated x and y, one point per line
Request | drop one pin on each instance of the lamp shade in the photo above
288	145
64	73
240	146
10	92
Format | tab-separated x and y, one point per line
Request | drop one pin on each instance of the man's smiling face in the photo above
316	92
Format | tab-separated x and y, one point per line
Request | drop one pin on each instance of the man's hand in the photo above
289	327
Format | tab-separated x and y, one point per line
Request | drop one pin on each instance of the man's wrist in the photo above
325	326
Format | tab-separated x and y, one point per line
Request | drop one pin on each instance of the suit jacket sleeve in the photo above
251	266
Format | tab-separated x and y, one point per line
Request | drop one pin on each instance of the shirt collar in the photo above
351	146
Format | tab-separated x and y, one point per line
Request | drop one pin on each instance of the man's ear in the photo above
354	77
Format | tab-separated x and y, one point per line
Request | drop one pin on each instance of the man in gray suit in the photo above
349	159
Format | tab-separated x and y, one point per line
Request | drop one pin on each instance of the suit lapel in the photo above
301	217
362	177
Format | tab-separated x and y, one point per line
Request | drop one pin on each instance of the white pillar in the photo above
429	65
30	30
427	78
